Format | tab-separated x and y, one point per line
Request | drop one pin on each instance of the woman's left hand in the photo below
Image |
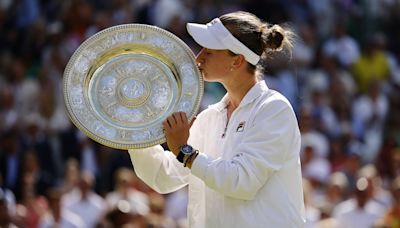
176	129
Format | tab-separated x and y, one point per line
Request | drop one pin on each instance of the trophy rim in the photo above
103	33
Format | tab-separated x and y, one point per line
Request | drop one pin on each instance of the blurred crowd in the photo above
342	78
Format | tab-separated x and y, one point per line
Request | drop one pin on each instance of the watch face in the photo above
186	149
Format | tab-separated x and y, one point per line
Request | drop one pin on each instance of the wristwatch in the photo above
184	152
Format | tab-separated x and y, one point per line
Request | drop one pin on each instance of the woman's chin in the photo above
207	77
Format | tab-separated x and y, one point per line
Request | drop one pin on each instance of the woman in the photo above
241	158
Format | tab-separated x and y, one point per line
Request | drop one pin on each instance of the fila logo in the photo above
240	127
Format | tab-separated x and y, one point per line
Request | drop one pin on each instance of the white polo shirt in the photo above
248	172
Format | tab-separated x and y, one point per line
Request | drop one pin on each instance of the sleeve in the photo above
159	169
264	150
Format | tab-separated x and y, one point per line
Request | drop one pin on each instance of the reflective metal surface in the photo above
122	82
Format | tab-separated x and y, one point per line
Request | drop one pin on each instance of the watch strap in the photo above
180	156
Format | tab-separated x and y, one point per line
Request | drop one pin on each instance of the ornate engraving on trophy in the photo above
90	55
97	51
151	112
190	77
162	94
132	89
124	81
185	106
107	85
101	129
131	115
132	92
141	136
82	66
109	107
123	134
77	101
77	98
106	43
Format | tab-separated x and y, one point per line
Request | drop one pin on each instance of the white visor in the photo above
214	35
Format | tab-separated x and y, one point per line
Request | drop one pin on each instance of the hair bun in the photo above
274	38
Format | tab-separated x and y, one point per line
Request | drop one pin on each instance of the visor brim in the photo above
203	36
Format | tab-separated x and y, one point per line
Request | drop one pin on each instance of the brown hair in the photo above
259	36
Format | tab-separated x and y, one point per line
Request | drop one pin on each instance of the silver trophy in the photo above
122	82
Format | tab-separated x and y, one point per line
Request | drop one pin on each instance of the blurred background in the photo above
343	81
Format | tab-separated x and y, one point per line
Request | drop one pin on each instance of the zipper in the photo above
226	128
227	122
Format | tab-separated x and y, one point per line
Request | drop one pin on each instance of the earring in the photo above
231	69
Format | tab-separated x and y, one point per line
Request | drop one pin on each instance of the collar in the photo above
257	90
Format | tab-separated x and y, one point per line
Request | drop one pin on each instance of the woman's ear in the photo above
238	61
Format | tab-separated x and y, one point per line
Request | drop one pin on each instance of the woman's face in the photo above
215	65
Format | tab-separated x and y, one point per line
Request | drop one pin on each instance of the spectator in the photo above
334	193
71	176
312	213
156	217
368	118
8	114
139	201
341	46
88	205
372	66
34	138
10	159
57	215
9	197
5	216
31	205
360	210
348	104
310	136
377	192
392	216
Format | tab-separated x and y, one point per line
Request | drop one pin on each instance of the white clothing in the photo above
344	48
68	220
90	210
138	201
251	177
317	169
317	141
364	110
357	218
176	205
367	123
10	201
350	205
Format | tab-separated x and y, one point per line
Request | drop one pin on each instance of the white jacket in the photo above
250	177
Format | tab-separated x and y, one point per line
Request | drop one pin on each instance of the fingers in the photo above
171	120
166	125
183	117
177	119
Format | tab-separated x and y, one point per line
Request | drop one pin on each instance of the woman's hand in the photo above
176	129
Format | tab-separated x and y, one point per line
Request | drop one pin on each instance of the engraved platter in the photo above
124	81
